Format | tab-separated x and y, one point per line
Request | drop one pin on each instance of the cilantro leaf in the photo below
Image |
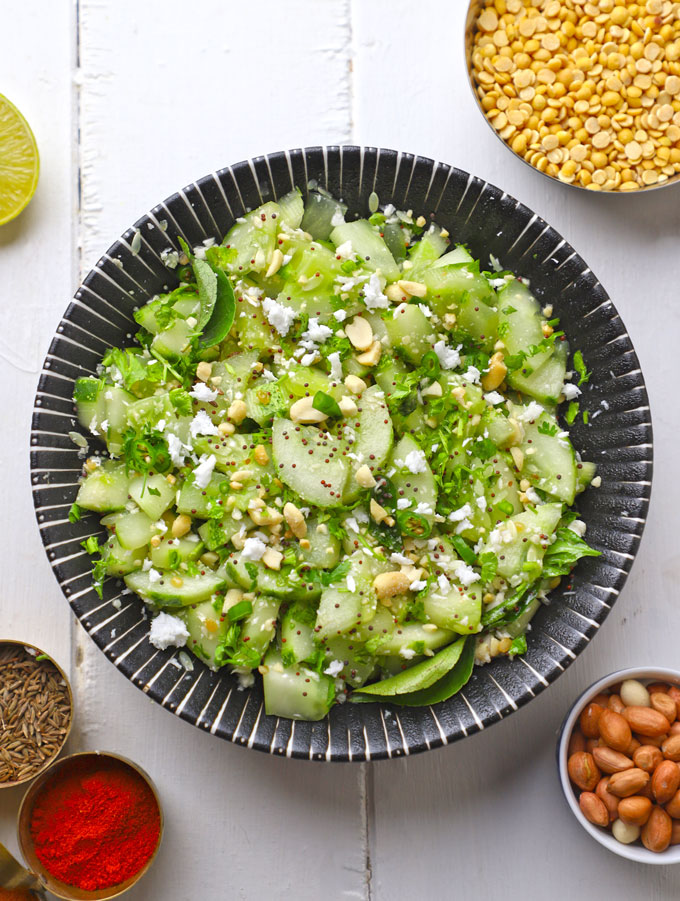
580	367
489	565
572	412
518	646
74	513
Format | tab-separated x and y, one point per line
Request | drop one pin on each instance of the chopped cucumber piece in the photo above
105	490
300	456
134	530
174	589
297	693
153	494
368	244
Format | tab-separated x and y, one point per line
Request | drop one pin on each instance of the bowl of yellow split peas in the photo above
588	93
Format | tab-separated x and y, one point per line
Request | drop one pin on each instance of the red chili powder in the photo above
96	825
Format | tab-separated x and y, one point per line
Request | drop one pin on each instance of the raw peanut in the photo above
591	744
654	740
674	693
647	757
601	699
657	832
675	728
646	791
671	748
646	721
576	742
654	687
614	730
665	781
616	704
628	783
610	801
624	833
589	720
635	810
633	746
593	809
583	771
675	832
610	761
664	704
634	693
673	806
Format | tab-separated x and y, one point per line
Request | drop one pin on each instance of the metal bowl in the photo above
50	760
55	886
635	852
475	7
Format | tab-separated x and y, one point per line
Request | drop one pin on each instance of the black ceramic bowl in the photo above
618	439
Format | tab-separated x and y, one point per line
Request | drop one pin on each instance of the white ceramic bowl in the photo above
636	852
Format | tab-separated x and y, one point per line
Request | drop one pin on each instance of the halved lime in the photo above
19	161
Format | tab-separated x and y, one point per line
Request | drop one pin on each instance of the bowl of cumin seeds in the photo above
36	712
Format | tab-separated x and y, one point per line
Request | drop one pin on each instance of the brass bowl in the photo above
62	889
474	9
53	758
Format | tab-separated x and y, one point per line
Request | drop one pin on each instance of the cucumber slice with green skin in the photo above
134	530
252	330
412	637
303	380
350	603
105	490
499	428
201	502
116	401
454	257
235	373
172	341
357	668
310	278
88	394
391	375
585	473
323	551
149	411
281	585
412	331
451	286
459	609
300	454
152	494
216	533
231	453
173	551
547	382
254	239
320	210
373	433
296	693
395	239
503	489
259	627
549	461
524	546
120	560
420	487
163	593
367	243
292	208
519	625
265	401
207	627
430	247
297	634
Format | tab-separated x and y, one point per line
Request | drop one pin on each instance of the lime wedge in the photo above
19	162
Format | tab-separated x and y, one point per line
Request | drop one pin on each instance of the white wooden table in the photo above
131	100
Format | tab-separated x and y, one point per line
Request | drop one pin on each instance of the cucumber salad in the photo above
333	457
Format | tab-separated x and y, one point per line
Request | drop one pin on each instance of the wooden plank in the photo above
166	97
490	807
36	285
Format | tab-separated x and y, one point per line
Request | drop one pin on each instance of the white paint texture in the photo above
162	94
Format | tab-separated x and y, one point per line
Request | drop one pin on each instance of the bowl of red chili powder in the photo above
90	826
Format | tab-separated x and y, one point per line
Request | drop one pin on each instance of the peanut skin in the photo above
582	770
658	830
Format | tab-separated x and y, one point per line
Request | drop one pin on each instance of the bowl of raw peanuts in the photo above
588	93
619	763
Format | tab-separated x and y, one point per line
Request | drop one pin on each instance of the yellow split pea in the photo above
588	92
